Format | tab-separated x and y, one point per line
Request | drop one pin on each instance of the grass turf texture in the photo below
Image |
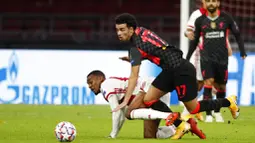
36	123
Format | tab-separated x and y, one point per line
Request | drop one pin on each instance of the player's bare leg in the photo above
185	113
194	129
208	84
184	127
151	98
199	116
150	128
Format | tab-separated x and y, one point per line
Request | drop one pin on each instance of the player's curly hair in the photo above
96	73
126	18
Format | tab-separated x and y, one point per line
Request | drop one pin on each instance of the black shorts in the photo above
182	79
214	70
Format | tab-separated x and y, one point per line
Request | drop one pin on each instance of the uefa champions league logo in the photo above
10	74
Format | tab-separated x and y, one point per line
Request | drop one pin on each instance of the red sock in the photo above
149	103
197	109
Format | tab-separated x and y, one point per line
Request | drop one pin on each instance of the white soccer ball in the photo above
65	132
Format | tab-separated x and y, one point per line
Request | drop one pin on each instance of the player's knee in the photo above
196	109
209	82
192	107
216	85
222	87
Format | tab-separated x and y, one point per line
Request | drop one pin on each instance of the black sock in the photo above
160	106
177	122
208	96
206	105
220	95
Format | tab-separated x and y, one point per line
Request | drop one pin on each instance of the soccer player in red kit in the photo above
195	60
214	27
177	74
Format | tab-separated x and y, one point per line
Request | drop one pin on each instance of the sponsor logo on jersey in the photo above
213	25
215	34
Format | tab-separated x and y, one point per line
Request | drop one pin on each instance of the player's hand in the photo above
125	59
190	35
120	106
243	56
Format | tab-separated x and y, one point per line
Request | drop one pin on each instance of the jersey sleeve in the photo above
192	19
135	56
117	117
107	89
236	32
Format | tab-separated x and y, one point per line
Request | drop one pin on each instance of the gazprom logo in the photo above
13	73
13	88
13	67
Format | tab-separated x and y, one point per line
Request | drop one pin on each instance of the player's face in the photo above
212	5
94	83
124	33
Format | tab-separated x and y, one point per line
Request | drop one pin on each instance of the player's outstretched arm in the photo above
131	86
118	117
135	61
125	59
236	32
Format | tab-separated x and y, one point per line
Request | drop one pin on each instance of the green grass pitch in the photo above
36	123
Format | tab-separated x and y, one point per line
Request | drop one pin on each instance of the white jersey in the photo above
116	86
114	89
195	58
197	13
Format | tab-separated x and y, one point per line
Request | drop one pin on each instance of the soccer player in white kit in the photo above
195	60
115	95
113	90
